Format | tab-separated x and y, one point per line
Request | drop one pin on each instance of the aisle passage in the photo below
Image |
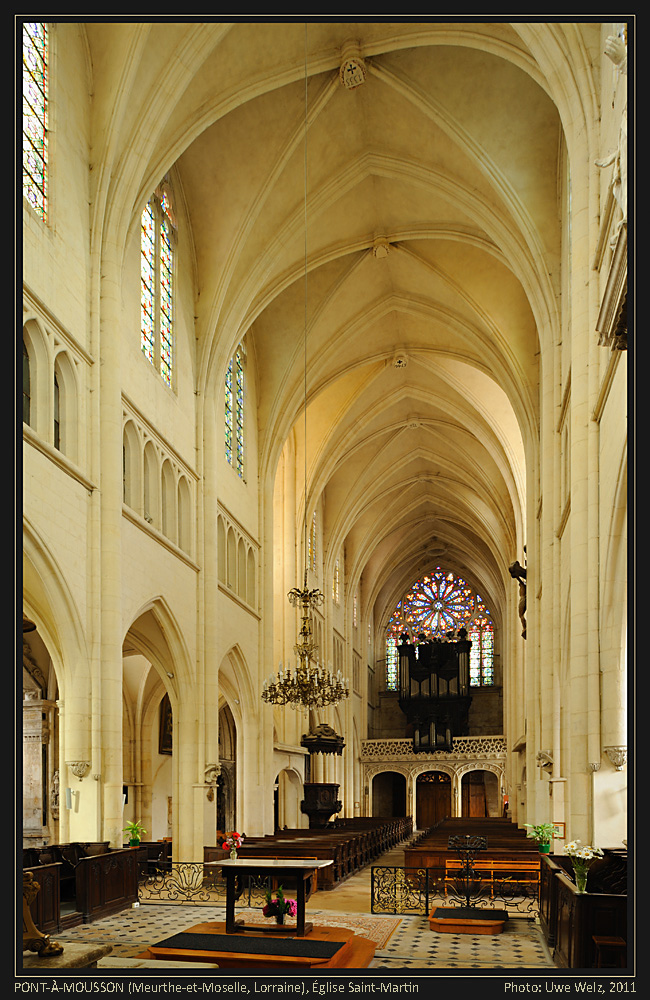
403	942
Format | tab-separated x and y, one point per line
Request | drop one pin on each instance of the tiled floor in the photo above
404	942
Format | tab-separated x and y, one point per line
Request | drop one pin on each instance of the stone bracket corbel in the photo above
79	768
617	756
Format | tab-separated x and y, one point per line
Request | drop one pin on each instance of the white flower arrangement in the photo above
586	853
581	858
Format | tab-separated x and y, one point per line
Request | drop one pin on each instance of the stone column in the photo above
584	657
208	601
107	681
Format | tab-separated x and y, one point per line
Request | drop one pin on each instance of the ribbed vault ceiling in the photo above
422	362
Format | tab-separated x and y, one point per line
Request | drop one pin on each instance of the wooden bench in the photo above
610	952
158	854
94	879
350	846
525	873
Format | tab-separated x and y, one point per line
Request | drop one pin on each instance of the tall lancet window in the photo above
157	281
436	604
35	114
235	398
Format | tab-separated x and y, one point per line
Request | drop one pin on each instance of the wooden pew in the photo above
350	846
570	920
505	844
95	879
524	873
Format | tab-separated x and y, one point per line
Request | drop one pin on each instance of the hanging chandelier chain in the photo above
310	685
305	297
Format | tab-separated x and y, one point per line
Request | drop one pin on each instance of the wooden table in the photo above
298	868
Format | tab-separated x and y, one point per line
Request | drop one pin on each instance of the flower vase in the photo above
233	853
279	918
581	880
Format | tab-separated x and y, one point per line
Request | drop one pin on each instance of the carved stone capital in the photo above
79	768
617	756
593	765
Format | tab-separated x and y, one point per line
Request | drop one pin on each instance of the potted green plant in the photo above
135	831
543	833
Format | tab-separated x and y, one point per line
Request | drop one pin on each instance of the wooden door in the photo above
474	802
433	799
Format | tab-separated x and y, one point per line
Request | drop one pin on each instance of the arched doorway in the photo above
40	742
227	784
389	794
480	794
432	798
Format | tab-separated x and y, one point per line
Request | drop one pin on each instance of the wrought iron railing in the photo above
418	890
193	882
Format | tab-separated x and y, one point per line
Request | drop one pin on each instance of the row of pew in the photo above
505	843
350	844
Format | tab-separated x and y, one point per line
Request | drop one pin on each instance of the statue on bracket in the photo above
616	50
517	572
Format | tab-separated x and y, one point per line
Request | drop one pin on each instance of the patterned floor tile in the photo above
404	943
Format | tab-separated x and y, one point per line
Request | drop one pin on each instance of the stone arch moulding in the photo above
236	686
155	632
41	364
418	769
480	765
375	769
49	602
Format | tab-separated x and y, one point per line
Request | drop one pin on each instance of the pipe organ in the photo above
434	688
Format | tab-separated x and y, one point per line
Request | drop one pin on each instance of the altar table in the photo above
299	869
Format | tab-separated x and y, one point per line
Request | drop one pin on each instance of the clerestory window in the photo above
35	116
157	282
235	398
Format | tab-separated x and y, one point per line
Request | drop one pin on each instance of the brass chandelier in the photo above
310	685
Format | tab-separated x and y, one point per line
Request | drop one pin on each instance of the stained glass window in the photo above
35	116
234	411
157	240
228	413
436	604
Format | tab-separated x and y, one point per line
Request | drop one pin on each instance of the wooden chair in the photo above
611	952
